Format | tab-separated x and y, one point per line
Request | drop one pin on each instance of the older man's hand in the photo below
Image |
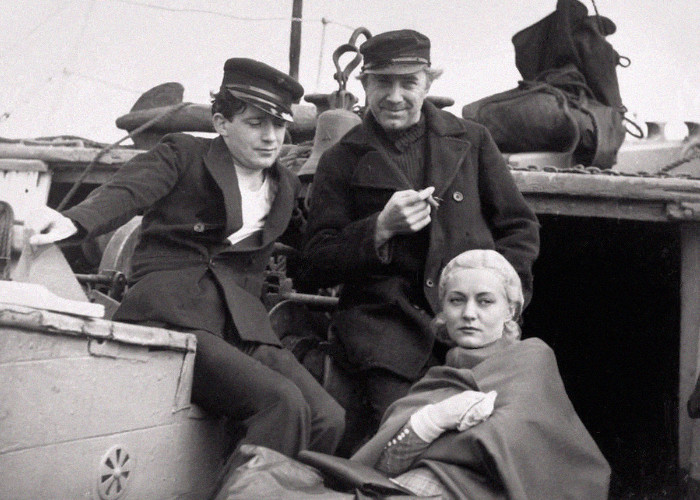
406	212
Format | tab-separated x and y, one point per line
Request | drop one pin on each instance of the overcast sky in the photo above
71	67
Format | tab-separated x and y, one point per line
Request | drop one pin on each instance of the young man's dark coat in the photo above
384	313
186	188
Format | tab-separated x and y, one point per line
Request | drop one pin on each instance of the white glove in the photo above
460	412
46	225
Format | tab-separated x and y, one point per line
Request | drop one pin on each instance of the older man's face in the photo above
396	100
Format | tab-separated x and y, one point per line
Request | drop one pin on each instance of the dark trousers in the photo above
368	395
279	402
375	389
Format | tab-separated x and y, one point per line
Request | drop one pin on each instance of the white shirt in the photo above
255	205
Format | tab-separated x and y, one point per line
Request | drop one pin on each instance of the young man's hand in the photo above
47	226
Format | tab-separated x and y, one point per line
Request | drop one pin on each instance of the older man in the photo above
212	209
398	197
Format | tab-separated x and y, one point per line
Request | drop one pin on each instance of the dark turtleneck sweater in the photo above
408	149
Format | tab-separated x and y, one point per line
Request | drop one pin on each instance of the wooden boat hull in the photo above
97	409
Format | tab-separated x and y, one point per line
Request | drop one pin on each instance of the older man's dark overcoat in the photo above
384	312
187	190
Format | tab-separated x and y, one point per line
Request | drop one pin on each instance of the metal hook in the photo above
342	74
359	31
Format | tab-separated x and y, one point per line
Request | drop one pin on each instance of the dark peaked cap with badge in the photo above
262	86
396	52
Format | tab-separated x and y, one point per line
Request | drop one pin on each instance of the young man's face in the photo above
253	137
396	100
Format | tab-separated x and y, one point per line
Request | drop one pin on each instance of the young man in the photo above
398	197
212	209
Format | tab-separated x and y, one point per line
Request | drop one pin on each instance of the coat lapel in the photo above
375	168
287	186
220	165
447	150
283	204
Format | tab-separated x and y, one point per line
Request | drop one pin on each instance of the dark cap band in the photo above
402	51
262	86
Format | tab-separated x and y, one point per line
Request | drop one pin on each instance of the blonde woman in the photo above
495	421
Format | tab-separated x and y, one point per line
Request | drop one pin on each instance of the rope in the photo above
597	17
231	16
680	162
109	147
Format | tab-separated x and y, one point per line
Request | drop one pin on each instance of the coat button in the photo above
429	283
198	227
457	196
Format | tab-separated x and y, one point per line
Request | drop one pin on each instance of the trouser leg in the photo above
378	388
229	382
383	388
327	416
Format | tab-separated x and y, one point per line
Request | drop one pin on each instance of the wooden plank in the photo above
65	153
104	390
23	165
608	187
181	460
39	320
652	211
689	431
17	346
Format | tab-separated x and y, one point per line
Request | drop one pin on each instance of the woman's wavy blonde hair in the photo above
496	263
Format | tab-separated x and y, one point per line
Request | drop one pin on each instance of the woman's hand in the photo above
47	226
459	412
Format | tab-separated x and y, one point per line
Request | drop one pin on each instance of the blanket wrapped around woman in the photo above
533	446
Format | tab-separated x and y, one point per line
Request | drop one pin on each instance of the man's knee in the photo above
287	398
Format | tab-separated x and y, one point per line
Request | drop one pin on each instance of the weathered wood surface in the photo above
91	391
45	321
24	184
180	460
70	154
650	211
72	389
608	186
587	195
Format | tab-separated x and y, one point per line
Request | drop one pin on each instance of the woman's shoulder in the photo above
536	349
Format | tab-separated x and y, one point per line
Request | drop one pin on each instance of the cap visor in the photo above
396	69
267	108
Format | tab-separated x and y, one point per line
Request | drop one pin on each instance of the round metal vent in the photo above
114	474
